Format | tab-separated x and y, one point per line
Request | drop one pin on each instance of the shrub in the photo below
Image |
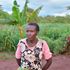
54	34
8	38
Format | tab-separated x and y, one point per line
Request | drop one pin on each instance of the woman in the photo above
32	50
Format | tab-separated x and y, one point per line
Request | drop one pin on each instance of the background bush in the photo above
54	34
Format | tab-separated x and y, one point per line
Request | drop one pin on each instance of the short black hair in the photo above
35	24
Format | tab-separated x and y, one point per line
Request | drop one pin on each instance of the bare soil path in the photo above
61	62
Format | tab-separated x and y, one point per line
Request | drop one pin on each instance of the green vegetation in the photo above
55	19
18	17
54	29
54	34
6	56
22	17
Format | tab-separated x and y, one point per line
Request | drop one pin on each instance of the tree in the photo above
68	7
33	16
19	17
24	16
3	14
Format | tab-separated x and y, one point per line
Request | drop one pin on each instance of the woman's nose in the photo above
29	33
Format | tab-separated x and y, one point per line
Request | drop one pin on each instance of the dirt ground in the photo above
61	62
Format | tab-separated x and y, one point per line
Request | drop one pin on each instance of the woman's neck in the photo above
32	42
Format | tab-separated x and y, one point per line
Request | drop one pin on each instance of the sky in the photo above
50	7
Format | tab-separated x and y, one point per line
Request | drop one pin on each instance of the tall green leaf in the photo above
34	15
16	12
24	13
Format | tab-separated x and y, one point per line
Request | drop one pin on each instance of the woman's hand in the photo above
47	65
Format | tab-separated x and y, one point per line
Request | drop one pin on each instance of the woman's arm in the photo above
18	61
47	55
47	65
18	54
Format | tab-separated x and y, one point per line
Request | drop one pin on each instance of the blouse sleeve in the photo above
46	51
18	51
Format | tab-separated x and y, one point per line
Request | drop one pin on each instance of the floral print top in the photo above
32	57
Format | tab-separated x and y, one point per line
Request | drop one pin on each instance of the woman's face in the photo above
31	32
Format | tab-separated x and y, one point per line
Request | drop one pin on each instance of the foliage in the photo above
33	16
68	7
16	12
8	38
25	15
55	19
4	14
54	34
21	18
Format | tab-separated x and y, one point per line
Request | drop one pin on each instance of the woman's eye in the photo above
29	31
32	31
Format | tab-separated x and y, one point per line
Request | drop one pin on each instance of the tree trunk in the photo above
20	28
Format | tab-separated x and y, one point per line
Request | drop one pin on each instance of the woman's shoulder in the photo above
41	40
22	40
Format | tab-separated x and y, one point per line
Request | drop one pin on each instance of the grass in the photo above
54	34
6	56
